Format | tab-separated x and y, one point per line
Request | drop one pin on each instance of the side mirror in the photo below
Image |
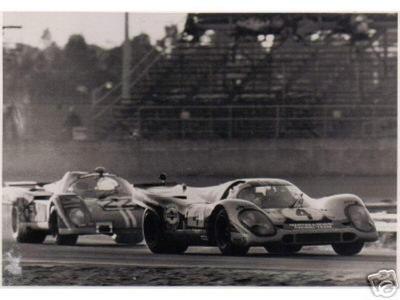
163	177
100	171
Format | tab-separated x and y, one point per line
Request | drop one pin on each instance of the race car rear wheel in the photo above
61	239
22	233
348	249
222	233
281	249
128	239
157	240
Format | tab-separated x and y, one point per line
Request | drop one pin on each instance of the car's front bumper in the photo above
98	228
305	237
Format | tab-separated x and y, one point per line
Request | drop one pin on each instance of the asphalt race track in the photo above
97	251
101	253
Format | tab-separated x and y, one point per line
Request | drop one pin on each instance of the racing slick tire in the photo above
61	239
348	249
222	233
156	239
22	233
281	249
128	239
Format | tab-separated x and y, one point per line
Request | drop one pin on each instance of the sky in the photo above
100	28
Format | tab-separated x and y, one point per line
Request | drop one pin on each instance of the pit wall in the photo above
300	157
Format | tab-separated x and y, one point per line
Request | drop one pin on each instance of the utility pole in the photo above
126	62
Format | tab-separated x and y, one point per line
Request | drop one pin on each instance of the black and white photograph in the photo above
213	149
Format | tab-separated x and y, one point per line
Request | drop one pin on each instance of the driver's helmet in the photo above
106	184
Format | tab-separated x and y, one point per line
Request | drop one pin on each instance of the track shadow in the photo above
96	245
297	255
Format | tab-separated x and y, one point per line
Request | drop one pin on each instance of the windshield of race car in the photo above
96	186
271	196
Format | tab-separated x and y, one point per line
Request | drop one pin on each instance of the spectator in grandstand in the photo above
185	117
185	114
338	126
71	121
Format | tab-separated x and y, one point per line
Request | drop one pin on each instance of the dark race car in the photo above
254	212
80	203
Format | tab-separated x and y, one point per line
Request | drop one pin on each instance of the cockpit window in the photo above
271	196
106	184
99	187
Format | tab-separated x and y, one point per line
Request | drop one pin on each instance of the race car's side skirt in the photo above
37	225
93	231
193	237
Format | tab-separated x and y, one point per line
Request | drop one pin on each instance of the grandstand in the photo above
260	76
231	95
265	75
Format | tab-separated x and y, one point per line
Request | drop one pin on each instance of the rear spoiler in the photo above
147	185
24	184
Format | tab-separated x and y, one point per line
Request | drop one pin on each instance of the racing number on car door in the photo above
116	204
41	211
195	216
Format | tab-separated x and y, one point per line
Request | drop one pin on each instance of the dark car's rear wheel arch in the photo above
156	238
61	239
222	229
152	228
210	225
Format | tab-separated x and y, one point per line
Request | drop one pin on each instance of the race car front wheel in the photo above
348	249
156	239
222	232
23	234
61	239
281	249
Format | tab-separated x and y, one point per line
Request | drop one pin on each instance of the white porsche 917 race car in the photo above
80	203
242	213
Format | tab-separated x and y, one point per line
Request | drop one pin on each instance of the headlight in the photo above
256	222
77	217
359	217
